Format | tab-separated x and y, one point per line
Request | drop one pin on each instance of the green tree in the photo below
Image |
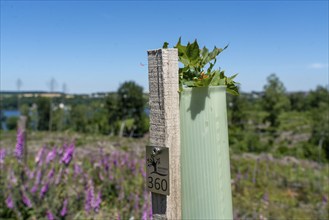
43	105
298	101
237	110
79	120
131	105
274	100
112	113
316	98
319	100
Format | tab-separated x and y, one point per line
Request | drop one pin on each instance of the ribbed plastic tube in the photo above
205	165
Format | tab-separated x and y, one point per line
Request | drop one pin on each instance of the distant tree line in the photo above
273	120
119	113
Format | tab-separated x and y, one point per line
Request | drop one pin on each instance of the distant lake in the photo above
8	114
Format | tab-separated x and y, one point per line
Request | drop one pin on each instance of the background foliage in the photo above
279	147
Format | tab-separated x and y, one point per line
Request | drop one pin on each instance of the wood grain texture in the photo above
164	125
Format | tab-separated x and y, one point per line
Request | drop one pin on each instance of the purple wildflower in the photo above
19	151
13	178
64	208
100	176
59	176
10	202
89	197
51	173
266	197
62	149
97	202
142	170
136	203
324	199
145	212
38	177
34	189
51	155
67	157
26	201
39	155
44	190
105	163
29	173
2	155
50	215
77	170
150	212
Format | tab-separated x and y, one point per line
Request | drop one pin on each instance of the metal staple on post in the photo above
164	126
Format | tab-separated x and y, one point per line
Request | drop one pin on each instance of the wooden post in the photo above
164	126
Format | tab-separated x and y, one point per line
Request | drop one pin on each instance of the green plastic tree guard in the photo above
205	163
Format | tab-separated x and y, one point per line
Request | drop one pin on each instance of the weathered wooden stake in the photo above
164	126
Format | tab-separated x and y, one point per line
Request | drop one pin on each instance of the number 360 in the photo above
157	184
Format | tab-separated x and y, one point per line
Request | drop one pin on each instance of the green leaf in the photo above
184	61
214	53
204	52
193	51
215	79
211	65
195	62
233	90
181	49
232	77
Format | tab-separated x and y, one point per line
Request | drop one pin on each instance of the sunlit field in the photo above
77	176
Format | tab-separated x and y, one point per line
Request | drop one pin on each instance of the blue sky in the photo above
94	46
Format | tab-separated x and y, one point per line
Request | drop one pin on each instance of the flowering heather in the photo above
26	201
2	155
50	215
67	157
51	155
64	208
19	150
10	202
